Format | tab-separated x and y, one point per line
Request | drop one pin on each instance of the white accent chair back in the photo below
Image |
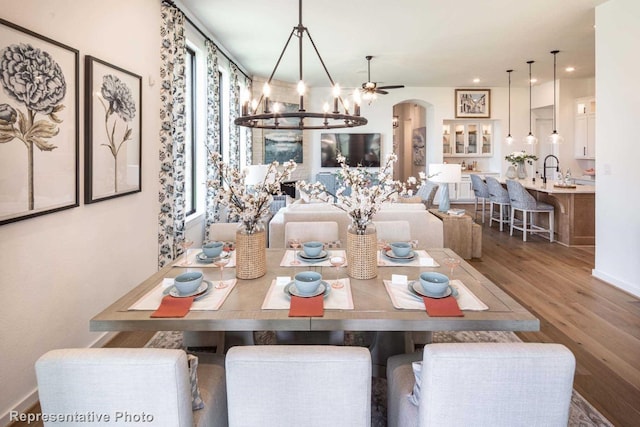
393	231
321	231
523	201
483	385
498	195
293	386
223	231
131	381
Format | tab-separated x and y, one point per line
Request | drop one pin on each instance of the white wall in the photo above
617	150
61	269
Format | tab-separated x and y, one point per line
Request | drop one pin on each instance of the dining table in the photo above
367	305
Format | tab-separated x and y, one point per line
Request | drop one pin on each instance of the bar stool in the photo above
522	200
498	195
481	191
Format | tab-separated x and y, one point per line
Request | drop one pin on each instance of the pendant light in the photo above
530	139
555	137
509	139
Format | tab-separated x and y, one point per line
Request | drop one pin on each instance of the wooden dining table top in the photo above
373	308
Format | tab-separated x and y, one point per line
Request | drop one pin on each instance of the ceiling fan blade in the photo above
382	92
391	87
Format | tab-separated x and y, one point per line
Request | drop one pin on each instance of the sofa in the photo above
425	228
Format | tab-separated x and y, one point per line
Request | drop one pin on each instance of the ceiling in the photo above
439	43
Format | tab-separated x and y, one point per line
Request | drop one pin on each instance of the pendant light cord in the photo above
509	71
530	62
554	52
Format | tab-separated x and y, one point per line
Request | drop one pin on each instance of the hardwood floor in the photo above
598	322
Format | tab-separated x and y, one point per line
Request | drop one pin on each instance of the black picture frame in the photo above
113	131
44	178
473	103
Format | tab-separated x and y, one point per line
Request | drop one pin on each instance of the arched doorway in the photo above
409	139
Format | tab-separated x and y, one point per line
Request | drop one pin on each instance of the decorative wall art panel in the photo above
38	124
113	150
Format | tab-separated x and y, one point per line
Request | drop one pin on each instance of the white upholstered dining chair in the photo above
393	231
293	386
481	385
321	231
132	381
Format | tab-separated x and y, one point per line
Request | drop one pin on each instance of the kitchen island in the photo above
575	211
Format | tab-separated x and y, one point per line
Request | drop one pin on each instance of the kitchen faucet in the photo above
544	171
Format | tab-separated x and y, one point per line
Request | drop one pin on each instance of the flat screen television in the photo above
359	149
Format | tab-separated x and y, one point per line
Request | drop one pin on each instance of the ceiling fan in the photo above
371	89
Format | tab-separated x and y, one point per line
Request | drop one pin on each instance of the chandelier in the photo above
271	117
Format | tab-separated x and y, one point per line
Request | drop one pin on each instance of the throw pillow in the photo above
417	373
196	400
413	199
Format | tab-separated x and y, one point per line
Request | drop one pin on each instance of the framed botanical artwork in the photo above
473	103
113	133
38	124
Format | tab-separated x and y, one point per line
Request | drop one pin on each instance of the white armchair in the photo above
299	386
482	384
131	382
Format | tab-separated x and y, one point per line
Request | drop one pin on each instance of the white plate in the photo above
417	288
390	256
173	291
202	258
290	289
322	254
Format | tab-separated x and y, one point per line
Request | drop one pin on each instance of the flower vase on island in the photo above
518	160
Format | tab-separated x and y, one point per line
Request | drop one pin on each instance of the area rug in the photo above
582	414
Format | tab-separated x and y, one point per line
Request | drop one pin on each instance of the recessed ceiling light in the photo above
534	81
570	69
476	80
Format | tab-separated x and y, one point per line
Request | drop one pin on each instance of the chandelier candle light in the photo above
327	119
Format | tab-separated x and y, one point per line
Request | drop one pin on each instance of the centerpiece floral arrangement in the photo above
369	190
519	157
249	205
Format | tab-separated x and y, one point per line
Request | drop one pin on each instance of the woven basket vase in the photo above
362	262
251	254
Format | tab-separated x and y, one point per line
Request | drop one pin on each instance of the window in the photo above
190	151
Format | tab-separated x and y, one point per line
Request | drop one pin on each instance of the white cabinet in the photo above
467	138
585	128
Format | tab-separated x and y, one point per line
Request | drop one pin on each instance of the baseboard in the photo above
32	398
631	288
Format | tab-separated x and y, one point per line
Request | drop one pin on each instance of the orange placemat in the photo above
307	307
173	307
442	307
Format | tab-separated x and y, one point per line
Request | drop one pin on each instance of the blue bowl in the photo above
187	283
400	249
433	283
307	282
312	249
213	249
